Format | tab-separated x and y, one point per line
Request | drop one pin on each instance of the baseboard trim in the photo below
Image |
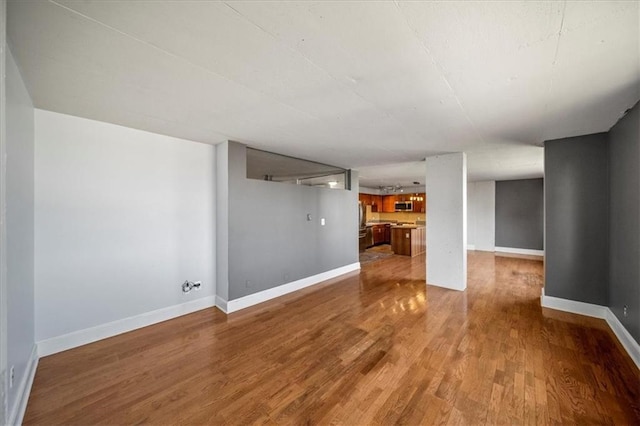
103	331
448	287
519	251
221	304
265	295
20	404
597	311
573	306
471	247
628	342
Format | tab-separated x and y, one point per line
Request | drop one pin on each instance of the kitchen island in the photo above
408	240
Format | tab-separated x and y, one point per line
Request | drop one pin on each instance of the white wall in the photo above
122	218
20	233
222	220
446	188
481	212
367	190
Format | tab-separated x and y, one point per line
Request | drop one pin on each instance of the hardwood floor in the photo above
378	347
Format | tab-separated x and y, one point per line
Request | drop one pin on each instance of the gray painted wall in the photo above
624	220
123	217
576	208
4	416
481	215
520	214
20	227
270	241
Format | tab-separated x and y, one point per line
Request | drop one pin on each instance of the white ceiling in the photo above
518	162
354	84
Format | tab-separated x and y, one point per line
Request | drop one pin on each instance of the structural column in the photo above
446	189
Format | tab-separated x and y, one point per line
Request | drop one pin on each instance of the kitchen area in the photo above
391	224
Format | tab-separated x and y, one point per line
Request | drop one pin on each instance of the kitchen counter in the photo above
408	240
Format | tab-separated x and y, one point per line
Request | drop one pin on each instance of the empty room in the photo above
319	212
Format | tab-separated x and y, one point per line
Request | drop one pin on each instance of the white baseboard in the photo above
449	287
16	415
271	293
221	304
93	334
573	306
597	311
471	247
519	251
627	341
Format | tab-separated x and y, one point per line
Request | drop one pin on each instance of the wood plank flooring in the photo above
375	347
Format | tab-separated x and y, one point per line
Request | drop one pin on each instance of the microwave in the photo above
404	206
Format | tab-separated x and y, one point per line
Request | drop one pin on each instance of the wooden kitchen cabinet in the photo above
408	241
389	203
420	206
401	241
378	234
376	203
365	199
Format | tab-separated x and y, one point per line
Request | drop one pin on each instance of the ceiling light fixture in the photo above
390	189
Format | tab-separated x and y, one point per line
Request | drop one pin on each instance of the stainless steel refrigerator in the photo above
362	229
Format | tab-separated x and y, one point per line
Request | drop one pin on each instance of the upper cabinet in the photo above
365	199
419	201
387	203
375	201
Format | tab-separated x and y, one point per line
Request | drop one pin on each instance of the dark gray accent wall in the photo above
520	214
576	209
624	220
270	242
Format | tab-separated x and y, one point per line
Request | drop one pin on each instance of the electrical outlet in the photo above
12	376
624	311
